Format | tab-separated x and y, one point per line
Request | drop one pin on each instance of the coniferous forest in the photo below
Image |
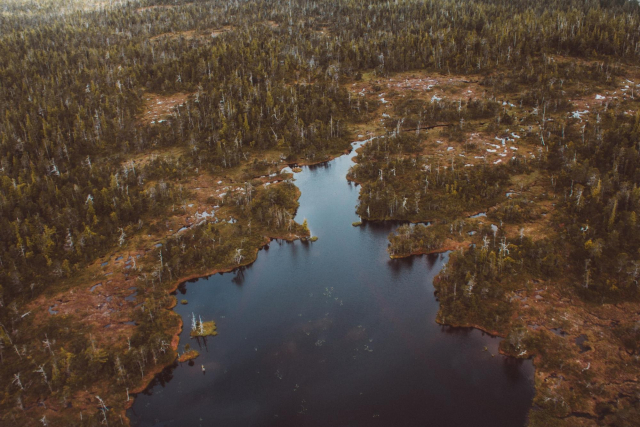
144	142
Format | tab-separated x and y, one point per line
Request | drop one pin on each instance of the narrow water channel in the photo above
333	333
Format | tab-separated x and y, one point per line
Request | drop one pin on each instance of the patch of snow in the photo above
578	114
203	215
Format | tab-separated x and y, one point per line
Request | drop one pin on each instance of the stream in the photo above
333	333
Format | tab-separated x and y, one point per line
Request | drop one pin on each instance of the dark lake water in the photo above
333	333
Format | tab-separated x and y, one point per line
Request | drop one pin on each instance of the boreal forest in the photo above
143	143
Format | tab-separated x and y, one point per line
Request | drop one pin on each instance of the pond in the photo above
333	333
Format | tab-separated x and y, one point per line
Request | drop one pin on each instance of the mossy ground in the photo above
208	329
575	384
188	355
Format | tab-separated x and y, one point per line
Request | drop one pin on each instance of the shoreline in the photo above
447	248
175	339
291	238
175	332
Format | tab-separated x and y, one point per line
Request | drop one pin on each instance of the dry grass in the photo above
193	34
477	146
604	368
158	107
159	6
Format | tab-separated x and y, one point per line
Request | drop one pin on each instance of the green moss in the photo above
208	329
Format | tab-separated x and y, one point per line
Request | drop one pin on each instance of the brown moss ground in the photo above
158	107
188	355
206	34
575	385
106	311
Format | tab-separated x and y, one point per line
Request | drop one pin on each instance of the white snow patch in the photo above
578	114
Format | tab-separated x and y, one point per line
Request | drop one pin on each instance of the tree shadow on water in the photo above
238	278
161	379
202	342
397	266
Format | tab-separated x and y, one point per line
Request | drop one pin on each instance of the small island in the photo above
188	355
202	329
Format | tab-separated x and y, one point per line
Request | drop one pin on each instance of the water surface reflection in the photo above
334	333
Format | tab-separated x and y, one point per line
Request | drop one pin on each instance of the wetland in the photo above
333	333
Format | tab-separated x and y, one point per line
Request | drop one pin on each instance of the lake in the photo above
333	333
